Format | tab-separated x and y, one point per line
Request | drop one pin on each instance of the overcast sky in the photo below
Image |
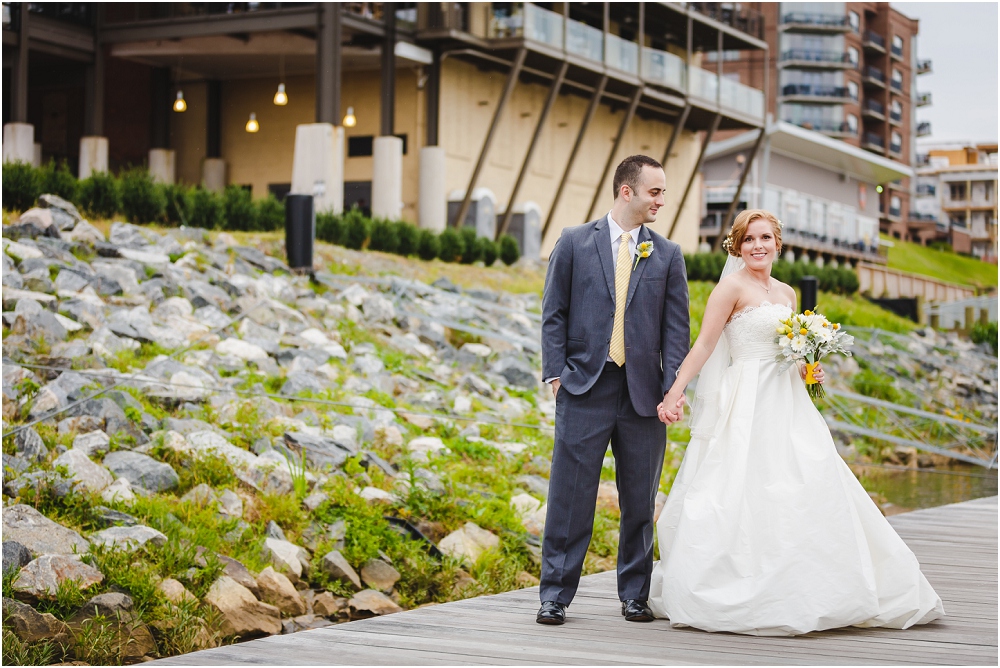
960	38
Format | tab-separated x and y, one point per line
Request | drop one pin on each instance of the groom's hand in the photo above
555	387
672	408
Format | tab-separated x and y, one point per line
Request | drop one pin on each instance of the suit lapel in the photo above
637	274
603	243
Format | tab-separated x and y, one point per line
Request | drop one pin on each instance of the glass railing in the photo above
923	99
817	20
544	26
896	116
583	40
873	139
703	84
897	51
826	127
874	38
875	107
811	90
811	56
664	68
897	84
622	54
923	129
747	100
875	73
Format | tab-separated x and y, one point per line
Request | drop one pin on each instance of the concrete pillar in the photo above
833	263
433	204
788	254
819	260
36	157
93	156
213	174
387	178
19	142
163	165
318	165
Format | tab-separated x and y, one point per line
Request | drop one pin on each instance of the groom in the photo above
614	331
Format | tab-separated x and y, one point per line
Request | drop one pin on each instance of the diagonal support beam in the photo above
515	72
731	211
595	100
678	128
549	101
694	171
614	149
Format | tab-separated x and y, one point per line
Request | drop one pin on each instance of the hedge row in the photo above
708	267
133	195
355	230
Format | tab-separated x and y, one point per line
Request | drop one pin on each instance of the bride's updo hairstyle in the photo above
734	239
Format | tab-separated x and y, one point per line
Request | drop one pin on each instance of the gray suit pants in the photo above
584	425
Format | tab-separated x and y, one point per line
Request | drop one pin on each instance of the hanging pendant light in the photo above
180	105
350	120
252	124
281	98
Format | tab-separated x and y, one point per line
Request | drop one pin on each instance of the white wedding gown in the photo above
766	530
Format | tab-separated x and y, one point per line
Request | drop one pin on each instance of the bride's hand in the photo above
818	373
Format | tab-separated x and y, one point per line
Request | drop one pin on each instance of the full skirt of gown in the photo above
766	530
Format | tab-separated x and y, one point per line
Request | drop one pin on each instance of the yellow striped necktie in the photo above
622	274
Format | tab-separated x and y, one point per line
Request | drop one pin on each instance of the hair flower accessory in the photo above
643	250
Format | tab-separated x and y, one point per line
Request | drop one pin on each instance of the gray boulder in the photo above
33	321
517	372
30	445
92	477
15	556
39	534
42	577
142	470
129	538
64	214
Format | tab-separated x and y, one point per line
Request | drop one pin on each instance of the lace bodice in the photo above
755	324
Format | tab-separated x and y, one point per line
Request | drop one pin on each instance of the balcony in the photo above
829	128
923	99
872	76
896	149
583	40
873	141
896	117
543	26
815	23
896	52
814	93
896	85
928	189
664	69
873	109
744	99
742	18
621	54
924	66
922	160
873	42
923	128
895	212
808	58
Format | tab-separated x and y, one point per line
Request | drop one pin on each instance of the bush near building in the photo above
838	280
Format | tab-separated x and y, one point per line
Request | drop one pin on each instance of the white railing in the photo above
583	40
745	99
622	54
544	26
664	68
703	84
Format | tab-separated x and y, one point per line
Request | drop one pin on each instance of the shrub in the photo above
470	250
428	246
848	280
330	228
176	197
57	180
452	245
142	200
204	209
271	214
985	334
827	278
357	229
100	195
487	250
409	238
383	236
20	186
239	212
509	250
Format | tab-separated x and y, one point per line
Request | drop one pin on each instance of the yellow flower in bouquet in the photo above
809	336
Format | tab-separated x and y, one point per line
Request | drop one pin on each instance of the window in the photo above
855	20
852	55
957	192
895	205
852	123
897	107
897	43
852	89
362	146
897	77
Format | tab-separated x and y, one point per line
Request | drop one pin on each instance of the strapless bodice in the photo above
751	331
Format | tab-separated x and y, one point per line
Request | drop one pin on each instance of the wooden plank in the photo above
956	546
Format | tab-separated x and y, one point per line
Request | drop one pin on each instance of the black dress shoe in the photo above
551	613
636	611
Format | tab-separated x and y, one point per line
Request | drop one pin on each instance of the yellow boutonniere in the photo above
645	249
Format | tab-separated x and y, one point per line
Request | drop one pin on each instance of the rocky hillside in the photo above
200	446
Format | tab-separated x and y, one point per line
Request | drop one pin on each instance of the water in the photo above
911	489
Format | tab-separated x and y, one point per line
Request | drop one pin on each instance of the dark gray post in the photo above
19	108
433	93
213	130
160	115
388	105
93	120
636	96
808	287
328	63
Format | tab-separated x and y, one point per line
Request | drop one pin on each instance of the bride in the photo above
766	530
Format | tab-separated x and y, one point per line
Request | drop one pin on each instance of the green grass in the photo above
941	264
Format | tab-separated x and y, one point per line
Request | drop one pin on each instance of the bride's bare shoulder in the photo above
786	291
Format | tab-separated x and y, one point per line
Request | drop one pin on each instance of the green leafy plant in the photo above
509	250
57	180
357	229
383	236
175	196
100	195
428	245
142	200
487	251
239	212
452	245
330	228
985	334
409	238
298	468
470	249
205	209
271	214
20	186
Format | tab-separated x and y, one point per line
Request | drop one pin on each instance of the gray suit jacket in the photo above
578	310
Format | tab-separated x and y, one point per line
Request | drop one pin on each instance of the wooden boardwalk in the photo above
956	546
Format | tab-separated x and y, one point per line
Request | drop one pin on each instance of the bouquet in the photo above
810	337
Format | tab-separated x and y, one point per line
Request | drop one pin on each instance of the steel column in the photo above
213	124
515	71
433	93
388	97
160	121
19	108
549	101
694	171
328	63
678	128
614	149
595	100
726	222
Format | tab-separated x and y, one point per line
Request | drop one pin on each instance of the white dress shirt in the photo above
616	240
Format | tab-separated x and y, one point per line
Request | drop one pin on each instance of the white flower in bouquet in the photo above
809	337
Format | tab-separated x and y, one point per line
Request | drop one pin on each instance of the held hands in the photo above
672	408
818	374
